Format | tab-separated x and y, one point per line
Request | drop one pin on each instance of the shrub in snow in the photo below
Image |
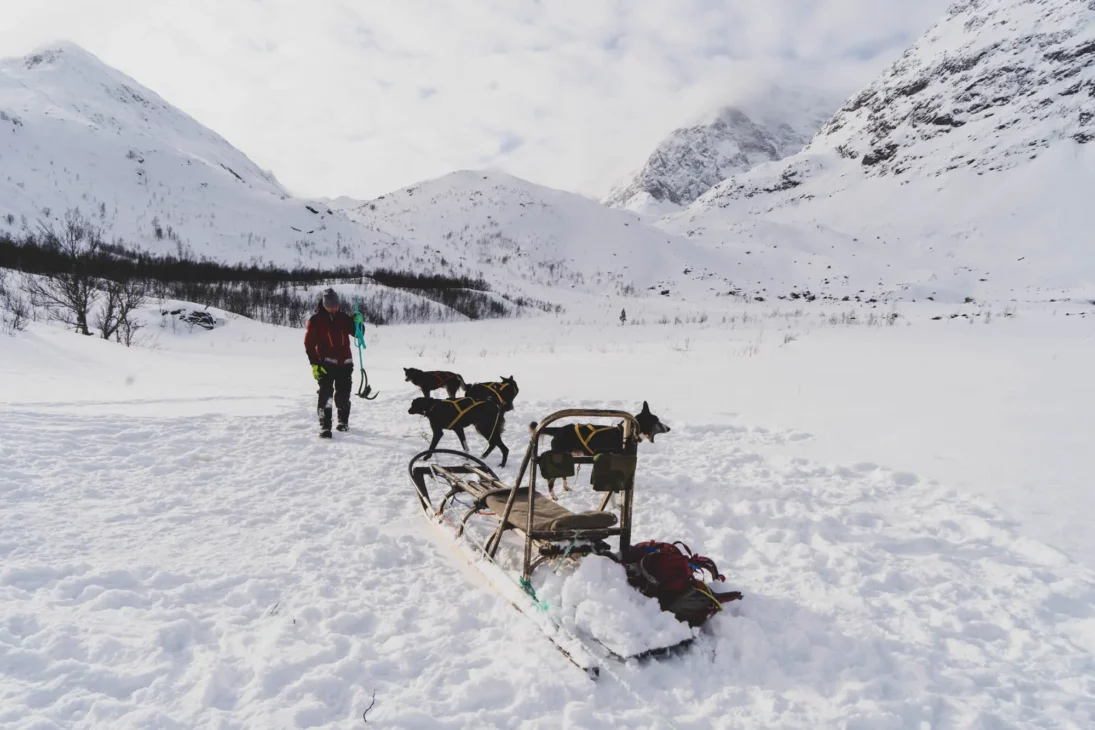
15	311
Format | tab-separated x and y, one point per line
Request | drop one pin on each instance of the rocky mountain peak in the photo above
692	160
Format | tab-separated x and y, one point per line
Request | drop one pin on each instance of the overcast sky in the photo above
360	97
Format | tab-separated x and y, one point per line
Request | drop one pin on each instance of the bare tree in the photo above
116	319
128	329
106	320
68	295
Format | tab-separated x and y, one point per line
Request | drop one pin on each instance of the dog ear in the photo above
646	408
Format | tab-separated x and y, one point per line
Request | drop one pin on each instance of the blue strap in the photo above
359	335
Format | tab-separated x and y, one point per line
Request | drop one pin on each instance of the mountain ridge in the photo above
689	161
966	159
81	134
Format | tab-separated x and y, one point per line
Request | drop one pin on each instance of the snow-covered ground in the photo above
904	507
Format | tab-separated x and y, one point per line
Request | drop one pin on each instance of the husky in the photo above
430	380
589	440
501	393
454	415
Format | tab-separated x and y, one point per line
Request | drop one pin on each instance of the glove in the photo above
318	371
359	318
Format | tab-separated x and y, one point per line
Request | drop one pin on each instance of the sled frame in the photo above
478	480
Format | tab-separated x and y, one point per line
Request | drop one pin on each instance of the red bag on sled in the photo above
663	571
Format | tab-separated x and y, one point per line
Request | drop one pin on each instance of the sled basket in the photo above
613	472
556	465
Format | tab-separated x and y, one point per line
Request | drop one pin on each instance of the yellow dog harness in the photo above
460	412
590	433
497	389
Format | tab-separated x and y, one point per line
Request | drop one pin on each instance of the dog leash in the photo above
364	389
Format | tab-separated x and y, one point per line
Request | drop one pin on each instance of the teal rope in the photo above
526	586
359	335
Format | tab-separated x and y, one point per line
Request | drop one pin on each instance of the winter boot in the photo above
343	420
325	423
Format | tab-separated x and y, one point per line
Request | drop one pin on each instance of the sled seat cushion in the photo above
548	515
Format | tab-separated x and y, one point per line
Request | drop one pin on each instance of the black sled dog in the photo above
584	439
501	393
455	415
430	380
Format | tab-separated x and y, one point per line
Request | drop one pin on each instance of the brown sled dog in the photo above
430	380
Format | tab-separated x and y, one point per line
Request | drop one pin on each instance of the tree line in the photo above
79	278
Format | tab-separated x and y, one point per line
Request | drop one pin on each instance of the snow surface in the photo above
900	488
179	550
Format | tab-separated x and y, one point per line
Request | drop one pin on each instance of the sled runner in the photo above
507	532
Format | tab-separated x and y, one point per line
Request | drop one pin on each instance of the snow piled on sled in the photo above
596	600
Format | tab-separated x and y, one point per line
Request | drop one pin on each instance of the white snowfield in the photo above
179	550
901	489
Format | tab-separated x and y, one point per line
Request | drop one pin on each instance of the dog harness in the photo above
590	433
460	411
497	389
442	378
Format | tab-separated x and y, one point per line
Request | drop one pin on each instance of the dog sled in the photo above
519	539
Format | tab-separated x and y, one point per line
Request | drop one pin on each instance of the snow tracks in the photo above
235	572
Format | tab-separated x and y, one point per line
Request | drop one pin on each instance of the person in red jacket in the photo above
327	341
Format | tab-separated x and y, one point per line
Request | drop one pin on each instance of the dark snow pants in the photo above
338	380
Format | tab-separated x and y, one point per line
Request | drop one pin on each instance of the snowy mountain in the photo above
490	224
965	169
692	160
1011	77
77	133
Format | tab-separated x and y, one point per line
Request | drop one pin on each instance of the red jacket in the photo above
327	338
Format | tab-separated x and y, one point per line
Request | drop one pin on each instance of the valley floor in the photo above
903	506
